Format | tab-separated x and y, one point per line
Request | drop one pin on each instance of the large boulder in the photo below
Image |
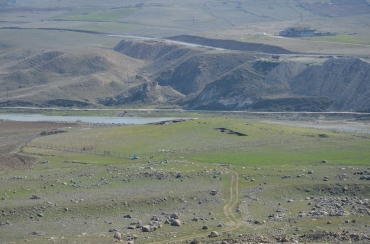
146	228
176	222
117	236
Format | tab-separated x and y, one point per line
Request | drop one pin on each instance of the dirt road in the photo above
233	222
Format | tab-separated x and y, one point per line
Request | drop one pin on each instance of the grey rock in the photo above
176	222
117	236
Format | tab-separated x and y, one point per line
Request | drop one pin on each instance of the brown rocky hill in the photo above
56	78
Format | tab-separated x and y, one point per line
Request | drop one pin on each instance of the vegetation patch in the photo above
344	38
230	132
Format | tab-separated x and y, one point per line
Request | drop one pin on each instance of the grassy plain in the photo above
83	195
344	38
94	14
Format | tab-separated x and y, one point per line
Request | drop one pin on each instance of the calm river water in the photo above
104	120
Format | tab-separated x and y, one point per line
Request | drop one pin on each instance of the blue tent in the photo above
134	157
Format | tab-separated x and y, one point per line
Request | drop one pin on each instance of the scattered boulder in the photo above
176	222
37	233
128	216
214	234
155	218
117	236
135	225
175	216
205	227
146	228
284	239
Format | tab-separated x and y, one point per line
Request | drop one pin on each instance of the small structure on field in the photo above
297	32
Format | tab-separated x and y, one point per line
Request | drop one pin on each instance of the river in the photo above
88	119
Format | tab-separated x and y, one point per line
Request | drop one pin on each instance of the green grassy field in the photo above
83	195
106	27
344	38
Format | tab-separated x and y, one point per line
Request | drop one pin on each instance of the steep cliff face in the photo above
193	74
256	85
339	84
346	81
238	89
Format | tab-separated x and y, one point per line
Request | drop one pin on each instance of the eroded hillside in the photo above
142	73
230	80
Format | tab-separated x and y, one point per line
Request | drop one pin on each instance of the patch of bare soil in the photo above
15	162
13	134
341	126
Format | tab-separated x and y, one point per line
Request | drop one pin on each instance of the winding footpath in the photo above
229	211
